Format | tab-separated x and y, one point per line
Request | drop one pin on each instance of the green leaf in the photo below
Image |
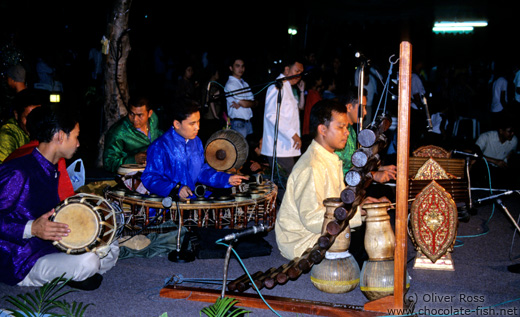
45	299
223	308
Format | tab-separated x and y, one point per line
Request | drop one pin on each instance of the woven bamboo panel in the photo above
458	188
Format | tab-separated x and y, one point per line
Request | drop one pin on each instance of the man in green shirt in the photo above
128	139
13	133
385	173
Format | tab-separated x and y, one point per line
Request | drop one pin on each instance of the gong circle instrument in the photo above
226	149
255	203
94	222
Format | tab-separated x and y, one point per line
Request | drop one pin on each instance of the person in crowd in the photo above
28	196
499	94
16	78
329	86
498	148
212	106
240	99
187	85
176	161
128	139
315	177
315	88
255	163
283	125
13	133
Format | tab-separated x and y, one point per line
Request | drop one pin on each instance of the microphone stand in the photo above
514	268
279	85
226	265
361	84
180	255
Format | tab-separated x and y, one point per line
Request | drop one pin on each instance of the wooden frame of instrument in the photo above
259	210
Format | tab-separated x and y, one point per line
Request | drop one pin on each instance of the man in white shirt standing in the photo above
282	125
239	99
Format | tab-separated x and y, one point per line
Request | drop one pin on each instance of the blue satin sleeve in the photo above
172	160
154	177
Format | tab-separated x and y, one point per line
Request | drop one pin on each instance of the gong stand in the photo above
351	196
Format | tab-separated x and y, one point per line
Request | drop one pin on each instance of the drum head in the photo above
226	149
83	224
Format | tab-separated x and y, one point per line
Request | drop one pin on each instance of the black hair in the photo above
183	109
139	101
350	96
29	97
314	76
43	123
231	61
292	59
321	113
505	122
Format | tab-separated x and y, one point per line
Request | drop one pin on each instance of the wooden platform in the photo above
277	303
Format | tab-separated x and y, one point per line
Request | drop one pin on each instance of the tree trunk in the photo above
116	83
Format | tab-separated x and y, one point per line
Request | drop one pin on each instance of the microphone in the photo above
251	231
509	192
291	77
466	153
361	56
172	196
207	95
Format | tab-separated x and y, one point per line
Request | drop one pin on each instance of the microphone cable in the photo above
486	224
249	275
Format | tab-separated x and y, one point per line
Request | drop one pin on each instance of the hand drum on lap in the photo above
93	222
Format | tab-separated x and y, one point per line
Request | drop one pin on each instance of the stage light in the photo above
292	31
55	98
462	23
452	29
457	26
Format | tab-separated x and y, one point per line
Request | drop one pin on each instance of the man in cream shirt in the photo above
315	177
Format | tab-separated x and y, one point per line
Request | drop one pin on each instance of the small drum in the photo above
93	222
130	168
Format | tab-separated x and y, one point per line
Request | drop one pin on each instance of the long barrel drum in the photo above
360	178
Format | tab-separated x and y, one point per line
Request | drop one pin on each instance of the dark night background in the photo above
260	28
67	30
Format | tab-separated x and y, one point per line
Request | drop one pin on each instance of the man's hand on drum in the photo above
235	180
45	229
185	192
140	158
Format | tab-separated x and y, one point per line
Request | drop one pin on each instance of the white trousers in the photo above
77	267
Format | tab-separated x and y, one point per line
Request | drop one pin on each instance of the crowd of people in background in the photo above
484	90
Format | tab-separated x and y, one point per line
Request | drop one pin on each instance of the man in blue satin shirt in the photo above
177	157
